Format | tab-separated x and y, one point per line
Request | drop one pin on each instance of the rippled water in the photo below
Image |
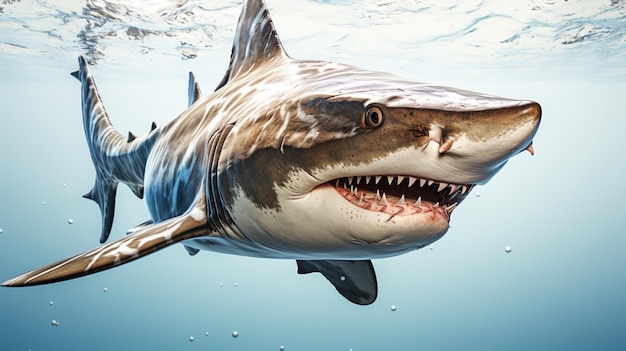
476	34
533	260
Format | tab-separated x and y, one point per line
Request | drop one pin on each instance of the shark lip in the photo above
401	195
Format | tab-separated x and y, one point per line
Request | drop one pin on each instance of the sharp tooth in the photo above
367	179
377	198
441	186
453	188
337	184
412	181
418	202
422	182
351	189
437	204
464	189
358	179
390	179
361	200
401	202
450	208
355	191
431	182
383	200
377	179
350	180
400	179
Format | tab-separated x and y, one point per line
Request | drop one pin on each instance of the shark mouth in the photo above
402	195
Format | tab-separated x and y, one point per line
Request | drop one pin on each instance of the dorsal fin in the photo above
193	90
255	40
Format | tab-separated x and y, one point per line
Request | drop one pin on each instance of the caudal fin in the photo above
116	158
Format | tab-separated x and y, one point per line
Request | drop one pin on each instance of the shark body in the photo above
325	163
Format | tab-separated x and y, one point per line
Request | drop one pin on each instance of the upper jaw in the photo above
401	195
413	188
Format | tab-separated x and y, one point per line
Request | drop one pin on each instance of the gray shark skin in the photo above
328	164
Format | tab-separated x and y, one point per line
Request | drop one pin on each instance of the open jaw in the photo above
401	195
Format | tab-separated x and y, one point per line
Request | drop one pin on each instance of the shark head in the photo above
373	172
347	163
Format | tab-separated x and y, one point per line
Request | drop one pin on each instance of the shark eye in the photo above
373	117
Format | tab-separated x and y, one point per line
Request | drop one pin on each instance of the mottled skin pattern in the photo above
325	163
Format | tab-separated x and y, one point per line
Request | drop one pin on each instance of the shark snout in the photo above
510	130
476	144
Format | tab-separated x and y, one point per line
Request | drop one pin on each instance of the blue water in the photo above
561	287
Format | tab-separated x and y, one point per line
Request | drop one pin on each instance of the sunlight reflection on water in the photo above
482	32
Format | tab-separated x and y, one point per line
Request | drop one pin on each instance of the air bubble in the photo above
1	230
51	303
70	221
282	348
343	278
393	308
191	339
206	334
54	323
235	334
234	284
477	194
507	249
43	203
105	289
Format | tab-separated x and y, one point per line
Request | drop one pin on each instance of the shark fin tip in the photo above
256	41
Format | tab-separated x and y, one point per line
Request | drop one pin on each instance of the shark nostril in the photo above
419	132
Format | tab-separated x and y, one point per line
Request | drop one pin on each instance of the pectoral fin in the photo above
354	280
146	240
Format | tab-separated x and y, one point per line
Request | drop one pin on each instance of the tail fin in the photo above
115	157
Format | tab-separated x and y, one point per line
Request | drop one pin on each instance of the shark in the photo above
319	162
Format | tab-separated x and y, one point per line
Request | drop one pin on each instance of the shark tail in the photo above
116	158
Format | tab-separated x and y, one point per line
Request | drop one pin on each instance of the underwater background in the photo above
562	286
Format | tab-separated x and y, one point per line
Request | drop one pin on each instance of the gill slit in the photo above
217	217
